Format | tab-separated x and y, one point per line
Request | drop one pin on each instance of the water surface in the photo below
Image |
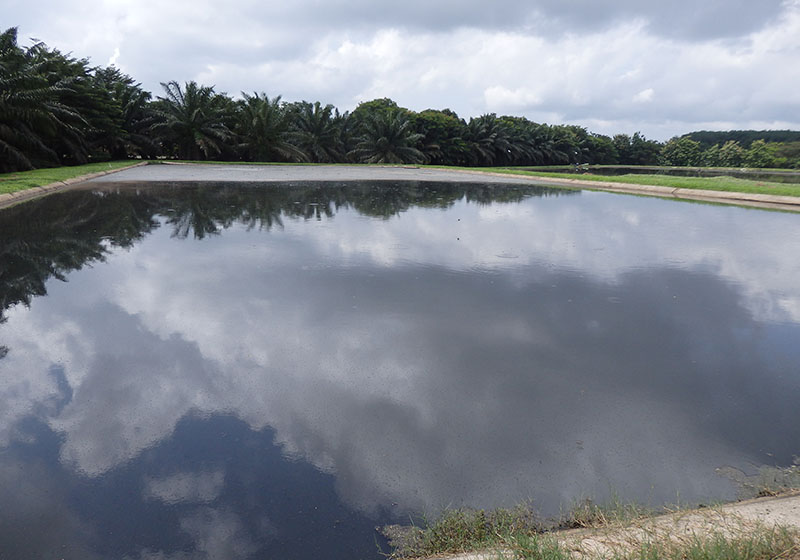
229	371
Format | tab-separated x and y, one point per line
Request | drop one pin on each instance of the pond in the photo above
272	371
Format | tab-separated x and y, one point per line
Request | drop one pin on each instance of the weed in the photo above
723	183
463	530
760	543
587	513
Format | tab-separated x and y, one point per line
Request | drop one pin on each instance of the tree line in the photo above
59	110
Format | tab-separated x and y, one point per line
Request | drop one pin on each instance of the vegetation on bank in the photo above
758	542
21	180
520	532
723	183
59	110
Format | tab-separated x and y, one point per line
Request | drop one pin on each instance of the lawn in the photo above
21	180
724	183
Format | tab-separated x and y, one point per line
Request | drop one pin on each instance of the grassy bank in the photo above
468	530
21	180
724	183
606	534
617	530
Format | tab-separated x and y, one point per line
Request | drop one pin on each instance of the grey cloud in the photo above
578	62
682	19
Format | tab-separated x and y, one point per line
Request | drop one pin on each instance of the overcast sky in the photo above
662	68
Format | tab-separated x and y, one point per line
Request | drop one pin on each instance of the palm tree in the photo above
315	131
488	141
192	120
387	138
31	115
263	129
129	105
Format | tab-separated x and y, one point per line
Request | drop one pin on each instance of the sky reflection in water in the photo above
232	372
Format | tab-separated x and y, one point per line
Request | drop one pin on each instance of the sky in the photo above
622	66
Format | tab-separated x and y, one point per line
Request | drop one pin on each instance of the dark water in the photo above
226	372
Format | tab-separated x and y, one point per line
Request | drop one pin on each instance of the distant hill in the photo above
708	138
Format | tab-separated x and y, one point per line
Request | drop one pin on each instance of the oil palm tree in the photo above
387	138
263	129
129	106
192	120
488	141
31	114
315	131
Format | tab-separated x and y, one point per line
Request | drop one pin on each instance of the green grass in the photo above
518	529
630	530
21	180
724	183
462	532
759	543
614	513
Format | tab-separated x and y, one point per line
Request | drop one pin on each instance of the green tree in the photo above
636	149
132	115
681	151
263	129
442	136
32	115
192	120
387	138
710	156
573	141
383	106
731	154
601	150
786	154
759	155
488	141
315	130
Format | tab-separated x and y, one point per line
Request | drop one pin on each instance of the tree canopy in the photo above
59	110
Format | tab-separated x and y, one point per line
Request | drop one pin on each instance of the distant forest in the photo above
59	110
745	138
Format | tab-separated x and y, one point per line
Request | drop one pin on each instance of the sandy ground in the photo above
730	519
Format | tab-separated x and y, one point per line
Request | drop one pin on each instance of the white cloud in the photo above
501	99
114	57
644	96
728	64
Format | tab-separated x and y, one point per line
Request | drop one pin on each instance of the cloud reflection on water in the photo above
482	355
